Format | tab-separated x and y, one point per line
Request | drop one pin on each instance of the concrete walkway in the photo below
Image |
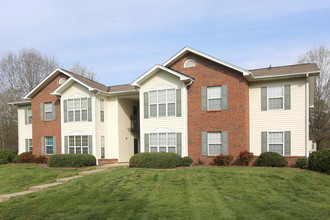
60	181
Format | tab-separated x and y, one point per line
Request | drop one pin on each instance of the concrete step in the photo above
64	180
41	187
8	196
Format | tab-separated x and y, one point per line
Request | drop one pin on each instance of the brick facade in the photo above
235	119
46	128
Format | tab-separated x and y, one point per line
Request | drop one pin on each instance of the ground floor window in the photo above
102	147
49	145
78	144
30	145
163	142
276	142
214	143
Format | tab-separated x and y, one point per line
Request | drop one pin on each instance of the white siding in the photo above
24	131
111	139
279	120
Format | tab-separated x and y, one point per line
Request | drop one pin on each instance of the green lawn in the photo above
16	178
193	193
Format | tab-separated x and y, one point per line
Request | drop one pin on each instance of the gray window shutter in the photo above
224	141
263	141
90	144
224	97
263	98
146	142
26	145
89	109
66	143
179	143
204	143
41	111
287	146
65	110
54	110
287	97
26	116
178	103
42	145
54	146
204	98
146	105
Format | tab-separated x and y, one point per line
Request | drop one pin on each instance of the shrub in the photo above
17	159
186	161
320	161
158	160
27	157
40	159
7	156
71	160
246	157
223	160
271	159
301	163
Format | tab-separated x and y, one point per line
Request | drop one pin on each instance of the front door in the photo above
136	146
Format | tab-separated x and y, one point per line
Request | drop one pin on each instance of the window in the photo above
62	80
214	98
30	145
214	143
276	142
275	97
162	103
78	144
189	63
77	109
49	145
48	111
163	142
102	147
102	110
29	115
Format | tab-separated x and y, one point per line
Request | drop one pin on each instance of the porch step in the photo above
41	187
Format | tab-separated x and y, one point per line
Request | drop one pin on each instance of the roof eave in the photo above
284	76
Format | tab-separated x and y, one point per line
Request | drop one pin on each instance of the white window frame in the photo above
29	115
30	145
268	89
51	111
80	109
49	145
74	146
208	143
102	110
185	65
207	94
157	103
167	142
283	143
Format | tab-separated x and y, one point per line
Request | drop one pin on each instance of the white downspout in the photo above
307	114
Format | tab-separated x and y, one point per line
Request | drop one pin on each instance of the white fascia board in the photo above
315	73
188	49
156	68
59	90
20	103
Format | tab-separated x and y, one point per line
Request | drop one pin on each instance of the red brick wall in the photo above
235	119
46	128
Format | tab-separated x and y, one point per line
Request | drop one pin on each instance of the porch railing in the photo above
135	124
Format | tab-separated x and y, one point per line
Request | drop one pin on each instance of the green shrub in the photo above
223	160
7	156
186	161
271	159
320	161
301	163
158	160
71	160
17	159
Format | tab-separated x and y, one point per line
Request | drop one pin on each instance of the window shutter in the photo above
263	98
178	103
287	97
54	145
89	109
263	141
179	143
42	145
66	143
26	116
224	97
90	144
26	145
54	110
65	110
204	98
146	142
287	146
224	142
204	143
146	105
41	111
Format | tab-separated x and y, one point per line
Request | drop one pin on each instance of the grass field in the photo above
192	193
15	178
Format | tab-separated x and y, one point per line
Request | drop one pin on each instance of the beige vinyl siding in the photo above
111	119
177	124
24	131
279	120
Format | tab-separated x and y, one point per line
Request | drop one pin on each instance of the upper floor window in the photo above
163	142
77	109
49	111
28	116
189	63
214	143
102	110
78	144
214	98
162	103
275	97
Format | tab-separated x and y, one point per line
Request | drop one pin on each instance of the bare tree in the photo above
320	114
83	71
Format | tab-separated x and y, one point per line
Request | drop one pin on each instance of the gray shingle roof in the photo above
284	70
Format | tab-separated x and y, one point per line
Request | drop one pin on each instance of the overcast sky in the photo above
122	39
